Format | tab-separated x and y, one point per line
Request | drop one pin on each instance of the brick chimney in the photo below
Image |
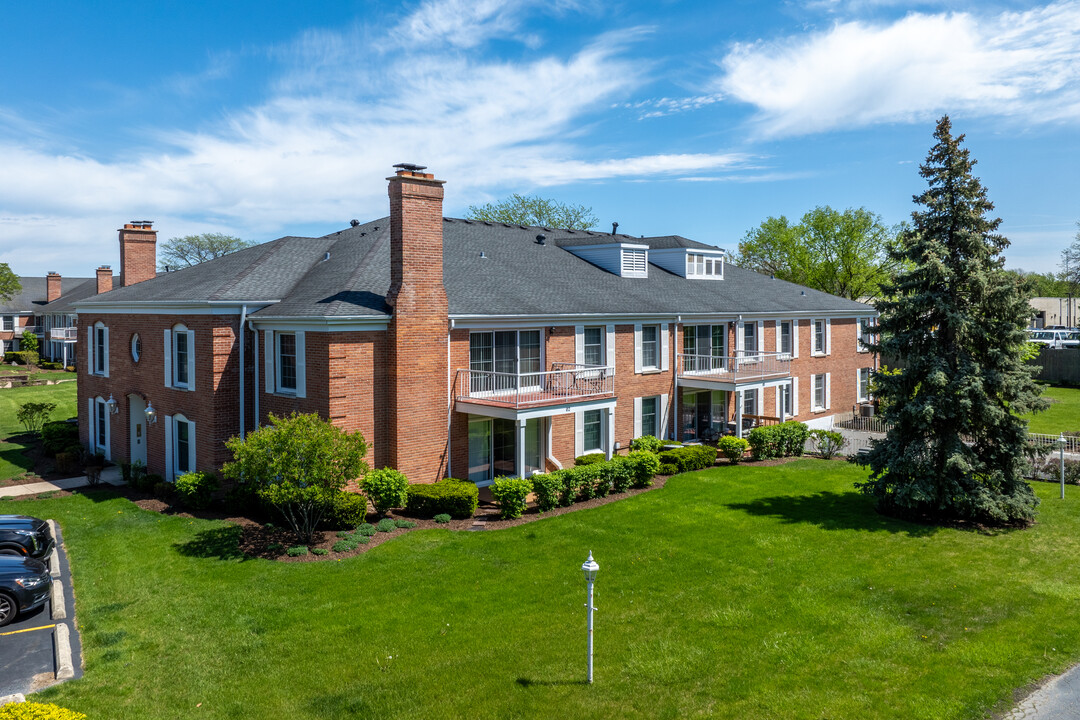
417	334
52	287
138	252
104	279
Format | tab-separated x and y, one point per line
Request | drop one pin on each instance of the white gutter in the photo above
243	369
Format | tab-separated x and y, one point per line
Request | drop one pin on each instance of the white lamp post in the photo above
1061	441
590	568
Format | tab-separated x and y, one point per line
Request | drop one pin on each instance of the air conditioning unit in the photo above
866	410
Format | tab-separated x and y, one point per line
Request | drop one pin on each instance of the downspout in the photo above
675	352
243	370
449	406
255	352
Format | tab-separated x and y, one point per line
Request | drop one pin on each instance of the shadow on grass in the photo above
529	682
831	511
221	543
13	453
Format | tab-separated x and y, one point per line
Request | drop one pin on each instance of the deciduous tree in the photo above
9	283
535	210
956	447
181	252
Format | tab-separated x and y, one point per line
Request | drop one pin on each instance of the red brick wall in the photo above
138	254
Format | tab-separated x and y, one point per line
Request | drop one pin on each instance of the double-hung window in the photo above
785	337
820	340
750	402
97	351
866	334
821	392
8	323
180	358
502	360
650	350
181	355
750	338
102	422
286	364
183	446
593	426
785	400
864	384
594	339
649	416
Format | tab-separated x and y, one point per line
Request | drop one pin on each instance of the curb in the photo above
54	564
64	669
59	608
52	529
16	698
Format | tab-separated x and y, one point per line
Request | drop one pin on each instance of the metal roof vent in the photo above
803	293
326	256
483	256
541	239
614	227
354	222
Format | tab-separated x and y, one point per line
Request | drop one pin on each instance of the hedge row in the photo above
774	441
563	488
457	498
689	457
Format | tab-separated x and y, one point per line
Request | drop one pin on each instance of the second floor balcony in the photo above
743	367
68	334
564	383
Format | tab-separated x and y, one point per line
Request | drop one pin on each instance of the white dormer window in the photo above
704	266
635	263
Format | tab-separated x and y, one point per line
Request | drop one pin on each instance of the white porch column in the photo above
609	446
519	448
783	407
738	412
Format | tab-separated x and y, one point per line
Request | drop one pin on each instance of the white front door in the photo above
137	429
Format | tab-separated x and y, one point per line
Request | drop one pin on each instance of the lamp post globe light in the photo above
590	567
1061	441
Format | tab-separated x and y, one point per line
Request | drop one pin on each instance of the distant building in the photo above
1054	311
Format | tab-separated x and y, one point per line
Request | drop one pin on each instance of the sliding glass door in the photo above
493	448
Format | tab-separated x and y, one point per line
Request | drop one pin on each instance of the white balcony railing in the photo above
68	334
744	366
565	382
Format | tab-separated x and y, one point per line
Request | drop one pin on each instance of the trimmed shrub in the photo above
690	457
620	471
509	494
643	466
344	546
320	551
386	488
793	437
646	443
441	518
668	469
733	448
163	490
386	525
774	441
22	357
547	487
195	489
57	436
366	530
400	523
346	510
297	551
450	496
275	547
827	442
590	459
37	711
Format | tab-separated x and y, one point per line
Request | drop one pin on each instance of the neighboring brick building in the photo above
457	347
44	305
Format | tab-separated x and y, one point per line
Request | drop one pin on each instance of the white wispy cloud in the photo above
1023	65
660	107
341	111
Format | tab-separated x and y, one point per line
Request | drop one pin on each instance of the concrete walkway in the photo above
109	476
1058	699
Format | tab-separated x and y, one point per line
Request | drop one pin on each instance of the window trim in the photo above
585	344
177	330
859	394
279	365
655	342
601	430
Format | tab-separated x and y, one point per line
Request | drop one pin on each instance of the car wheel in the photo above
8	609
10	551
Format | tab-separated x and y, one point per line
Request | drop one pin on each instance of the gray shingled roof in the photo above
34	293
515	276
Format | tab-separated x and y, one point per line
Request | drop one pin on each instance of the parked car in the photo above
24	585
1056	339
24	536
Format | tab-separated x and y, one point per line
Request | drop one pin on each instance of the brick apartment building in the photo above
45	307
459	348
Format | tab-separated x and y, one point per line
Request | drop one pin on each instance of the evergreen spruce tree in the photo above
957	318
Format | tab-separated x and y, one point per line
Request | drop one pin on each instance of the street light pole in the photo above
590	568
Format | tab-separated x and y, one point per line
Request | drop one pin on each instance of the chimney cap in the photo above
411	167
105	267
53	272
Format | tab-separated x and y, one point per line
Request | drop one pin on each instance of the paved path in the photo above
109	476
1058	699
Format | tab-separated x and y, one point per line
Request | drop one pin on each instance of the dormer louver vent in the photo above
634	263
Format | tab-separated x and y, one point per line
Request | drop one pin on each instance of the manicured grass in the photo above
1063	414
12	460
739	592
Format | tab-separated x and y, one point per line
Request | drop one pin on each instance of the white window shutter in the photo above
739	338
777	392
92	434
579	344
663	421
301	365
637	417
858	334
828	336
579	433
168	358
794	341
665	348
191	361
169	474
794	397
858	390
105	331
637	348
268	359
828	390
90	350
609	356
191	446
108	434
759	337
778	329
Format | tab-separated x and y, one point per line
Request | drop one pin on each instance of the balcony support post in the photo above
738	412
519	449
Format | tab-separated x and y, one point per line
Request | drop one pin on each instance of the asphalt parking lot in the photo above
29	660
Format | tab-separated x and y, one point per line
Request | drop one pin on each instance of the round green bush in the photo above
320	551
365	530
387	489
195	489
401	523
733	448
297	551
344	546
441	518
509	494
386	525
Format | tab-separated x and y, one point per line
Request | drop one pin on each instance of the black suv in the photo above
24	585
24	536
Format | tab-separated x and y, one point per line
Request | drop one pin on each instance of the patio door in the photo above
493	448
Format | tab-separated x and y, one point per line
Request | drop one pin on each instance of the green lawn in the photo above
740	592
1062	415
12	460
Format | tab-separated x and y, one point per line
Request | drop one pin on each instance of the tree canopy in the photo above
841	253
535	210
9	283
181	252
956	445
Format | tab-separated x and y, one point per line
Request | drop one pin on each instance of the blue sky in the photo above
695	118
